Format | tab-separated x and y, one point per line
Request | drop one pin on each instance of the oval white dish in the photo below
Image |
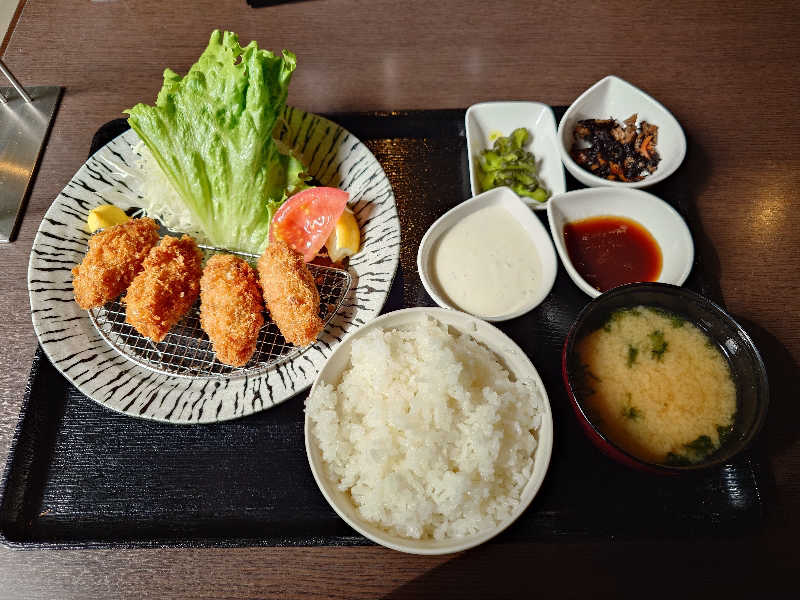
76	349
504	197
488	119
612	97
659	218
513	358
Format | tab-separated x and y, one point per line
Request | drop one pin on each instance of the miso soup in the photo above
657	386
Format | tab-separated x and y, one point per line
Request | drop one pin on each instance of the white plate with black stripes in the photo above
335	158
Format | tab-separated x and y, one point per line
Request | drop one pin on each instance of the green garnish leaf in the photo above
677	460
632	413
659	344
211	133
697	450
702	445
633	351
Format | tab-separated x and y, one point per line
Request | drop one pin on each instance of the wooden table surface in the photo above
728	73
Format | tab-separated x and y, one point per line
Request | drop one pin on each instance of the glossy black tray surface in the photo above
80	475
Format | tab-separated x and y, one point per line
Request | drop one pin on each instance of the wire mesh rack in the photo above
186	350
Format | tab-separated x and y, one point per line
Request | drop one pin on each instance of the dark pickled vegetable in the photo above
617	152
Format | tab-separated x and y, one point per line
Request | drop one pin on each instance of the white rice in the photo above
427	433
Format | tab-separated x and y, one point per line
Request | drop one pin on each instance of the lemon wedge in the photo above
345	238
106	216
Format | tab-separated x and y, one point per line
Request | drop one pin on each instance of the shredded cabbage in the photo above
160	200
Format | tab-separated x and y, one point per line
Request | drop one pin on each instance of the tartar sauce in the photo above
487	264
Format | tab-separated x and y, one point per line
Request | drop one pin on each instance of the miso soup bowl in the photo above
744	360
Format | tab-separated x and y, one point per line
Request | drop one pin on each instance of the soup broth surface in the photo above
657	386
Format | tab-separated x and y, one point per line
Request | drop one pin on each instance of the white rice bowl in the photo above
428	431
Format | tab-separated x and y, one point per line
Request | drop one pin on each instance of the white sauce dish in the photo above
519	368
661	220
486	121
613	97
490	256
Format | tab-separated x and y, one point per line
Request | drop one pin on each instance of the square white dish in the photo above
612	97
485	121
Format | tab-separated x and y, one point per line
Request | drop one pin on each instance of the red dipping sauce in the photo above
610	251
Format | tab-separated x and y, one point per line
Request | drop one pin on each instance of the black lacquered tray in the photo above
80	475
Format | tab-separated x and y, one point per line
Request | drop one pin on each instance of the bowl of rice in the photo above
428	431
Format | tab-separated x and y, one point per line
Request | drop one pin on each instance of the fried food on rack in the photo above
290	293
114	258
231	307
167	287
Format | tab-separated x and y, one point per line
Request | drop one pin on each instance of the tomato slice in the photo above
306	219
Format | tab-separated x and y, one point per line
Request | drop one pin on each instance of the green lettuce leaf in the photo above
211	134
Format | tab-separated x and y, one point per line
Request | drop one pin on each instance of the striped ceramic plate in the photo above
335	158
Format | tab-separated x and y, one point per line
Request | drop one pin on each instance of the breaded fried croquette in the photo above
290	293
114	258
231	307
167	287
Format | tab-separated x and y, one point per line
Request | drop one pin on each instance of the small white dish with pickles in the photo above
615	98
490	256
488	121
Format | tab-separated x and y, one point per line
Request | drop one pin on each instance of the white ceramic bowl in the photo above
491	118
514	360
614	97
502	196
659	218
